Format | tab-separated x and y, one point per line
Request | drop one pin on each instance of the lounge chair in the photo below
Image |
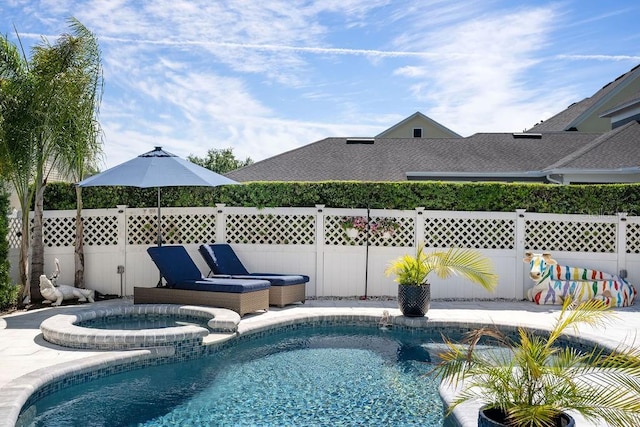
285	288
186	285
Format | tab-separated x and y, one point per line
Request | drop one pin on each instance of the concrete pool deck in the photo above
25	355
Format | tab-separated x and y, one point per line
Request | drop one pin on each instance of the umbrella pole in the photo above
159	221
159	234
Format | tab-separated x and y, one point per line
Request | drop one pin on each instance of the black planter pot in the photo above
495	418
414	300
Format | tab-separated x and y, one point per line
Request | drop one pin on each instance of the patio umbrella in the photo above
157	168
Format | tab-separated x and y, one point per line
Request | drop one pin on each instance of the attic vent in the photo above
360	141
525	135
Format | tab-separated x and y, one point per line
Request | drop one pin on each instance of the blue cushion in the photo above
174	263
275	279
235	286
179	270
222	259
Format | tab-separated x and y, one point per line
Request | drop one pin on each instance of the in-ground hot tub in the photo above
138	326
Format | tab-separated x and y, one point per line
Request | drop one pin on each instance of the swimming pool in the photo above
307	376
136	322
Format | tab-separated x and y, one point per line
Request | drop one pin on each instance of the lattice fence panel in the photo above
571	236
472	233
14	232
59	231
633	238
335	234
142	229
271	229
403	235
98	231
177	229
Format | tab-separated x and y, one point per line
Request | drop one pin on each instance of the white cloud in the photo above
477	81
625	58
265	77
412	71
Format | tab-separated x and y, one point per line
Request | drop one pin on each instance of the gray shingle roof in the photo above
567	118
617	149
482	154
390	159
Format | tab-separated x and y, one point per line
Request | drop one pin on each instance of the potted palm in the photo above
412	273
537	380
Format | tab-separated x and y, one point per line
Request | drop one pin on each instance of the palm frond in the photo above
543	379
467	263
591	312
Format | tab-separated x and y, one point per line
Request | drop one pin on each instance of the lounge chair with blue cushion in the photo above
285	288
186	285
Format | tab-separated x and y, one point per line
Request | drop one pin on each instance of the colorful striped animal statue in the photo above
555	282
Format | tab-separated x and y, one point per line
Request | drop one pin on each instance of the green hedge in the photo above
496	197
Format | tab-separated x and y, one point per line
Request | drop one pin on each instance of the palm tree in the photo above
68	76
17	139
82	146
57	92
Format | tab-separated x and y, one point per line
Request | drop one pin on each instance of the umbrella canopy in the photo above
157	168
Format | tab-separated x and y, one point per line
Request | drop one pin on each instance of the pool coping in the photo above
63	329
15	393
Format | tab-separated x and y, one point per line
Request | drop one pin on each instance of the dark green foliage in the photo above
494	197
8	290
220	160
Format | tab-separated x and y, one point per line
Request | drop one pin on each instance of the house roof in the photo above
383	159
421	118
545	153
579	111
632	102
615	150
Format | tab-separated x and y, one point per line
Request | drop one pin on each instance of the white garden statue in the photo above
57	293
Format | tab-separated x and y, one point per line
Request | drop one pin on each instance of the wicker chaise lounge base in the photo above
283	295
241	303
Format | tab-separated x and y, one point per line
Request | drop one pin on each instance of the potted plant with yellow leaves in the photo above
412	274
537	381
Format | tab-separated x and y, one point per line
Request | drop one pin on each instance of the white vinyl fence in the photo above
311	241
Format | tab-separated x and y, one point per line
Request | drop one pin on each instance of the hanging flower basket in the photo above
353	225
351	233
384	227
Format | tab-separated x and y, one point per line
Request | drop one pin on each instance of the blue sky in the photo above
264	77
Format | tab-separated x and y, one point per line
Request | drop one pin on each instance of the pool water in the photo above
142	321
308	377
